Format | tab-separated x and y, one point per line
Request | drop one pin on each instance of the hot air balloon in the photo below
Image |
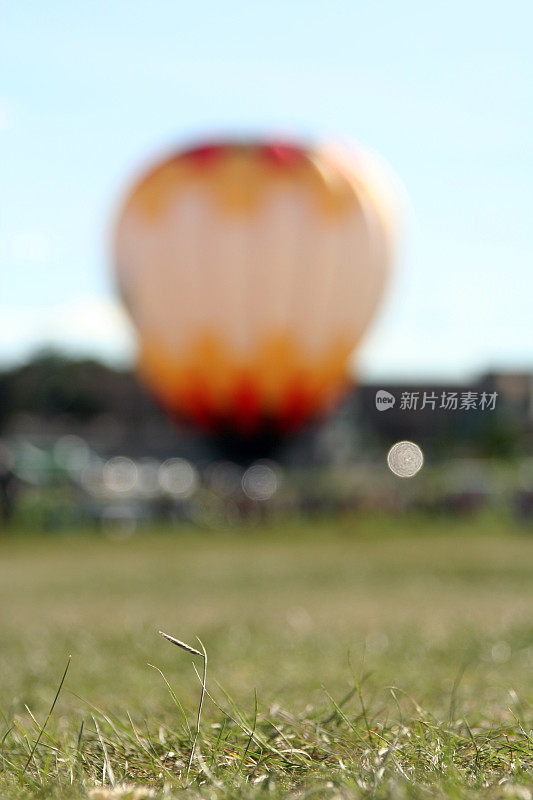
250	272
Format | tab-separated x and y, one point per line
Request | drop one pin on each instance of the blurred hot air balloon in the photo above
251	271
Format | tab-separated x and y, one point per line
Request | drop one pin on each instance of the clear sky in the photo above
442	90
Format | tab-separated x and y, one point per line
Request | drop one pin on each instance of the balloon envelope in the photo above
250	272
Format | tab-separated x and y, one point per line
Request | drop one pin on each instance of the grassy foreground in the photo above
346	658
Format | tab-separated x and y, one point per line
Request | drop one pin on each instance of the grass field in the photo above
346	658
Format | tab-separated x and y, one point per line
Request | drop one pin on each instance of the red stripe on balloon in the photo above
283	155
205	155
297	408
246	407
197	405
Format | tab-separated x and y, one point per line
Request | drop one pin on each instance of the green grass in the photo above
361	657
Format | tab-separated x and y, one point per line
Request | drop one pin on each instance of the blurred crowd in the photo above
69	485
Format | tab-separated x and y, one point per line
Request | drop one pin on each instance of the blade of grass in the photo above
175	699
49	715
107	764
360	694
252	731
199	714
202	654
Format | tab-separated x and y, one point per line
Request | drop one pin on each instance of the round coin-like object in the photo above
405	459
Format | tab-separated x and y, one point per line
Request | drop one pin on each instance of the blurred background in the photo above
96	93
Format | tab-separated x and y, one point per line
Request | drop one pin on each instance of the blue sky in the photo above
443	91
